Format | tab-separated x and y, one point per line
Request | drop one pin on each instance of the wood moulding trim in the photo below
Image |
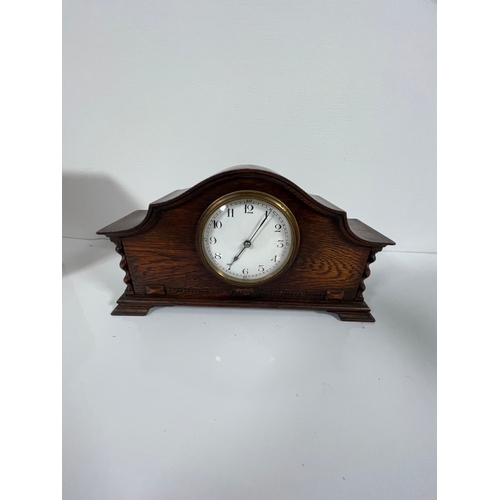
156	289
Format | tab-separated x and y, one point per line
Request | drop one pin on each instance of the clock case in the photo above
163	267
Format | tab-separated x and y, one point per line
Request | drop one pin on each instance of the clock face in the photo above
248	237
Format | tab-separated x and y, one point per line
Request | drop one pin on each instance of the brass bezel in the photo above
257	195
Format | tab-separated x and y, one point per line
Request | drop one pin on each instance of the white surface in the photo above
338	96
206	403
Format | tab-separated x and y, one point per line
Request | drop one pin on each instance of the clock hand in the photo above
248	243
236	257
257	230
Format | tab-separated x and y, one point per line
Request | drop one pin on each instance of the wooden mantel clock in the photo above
246	237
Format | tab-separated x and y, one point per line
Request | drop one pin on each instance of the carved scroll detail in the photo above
366	274
123	264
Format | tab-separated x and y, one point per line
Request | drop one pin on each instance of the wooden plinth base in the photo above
134	305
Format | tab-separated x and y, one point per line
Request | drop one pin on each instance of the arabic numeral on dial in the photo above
249	209
217	255
274	259
217	224
230	212
213	240
261	268
277	228
280	244
245	271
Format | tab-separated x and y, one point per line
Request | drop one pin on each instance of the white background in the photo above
195	403
30	364
338	96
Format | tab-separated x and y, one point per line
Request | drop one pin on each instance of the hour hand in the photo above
246	244
235	258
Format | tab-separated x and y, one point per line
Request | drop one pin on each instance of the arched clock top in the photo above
141	220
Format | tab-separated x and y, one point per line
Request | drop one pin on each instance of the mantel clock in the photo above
246	237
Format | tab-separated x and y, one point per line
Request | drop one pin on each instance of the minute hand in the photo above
257	230
248	243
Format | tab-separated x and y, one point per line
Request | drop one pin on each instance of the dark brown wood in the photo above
162	265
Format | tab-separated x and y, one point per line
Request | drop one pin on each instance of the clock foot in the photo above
355	316
130	310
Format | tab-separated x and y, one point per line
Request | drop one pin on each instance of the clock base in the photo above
137	305
364	317
128	309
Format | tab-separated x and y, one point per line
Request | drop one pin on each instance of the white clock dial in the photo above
248	237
